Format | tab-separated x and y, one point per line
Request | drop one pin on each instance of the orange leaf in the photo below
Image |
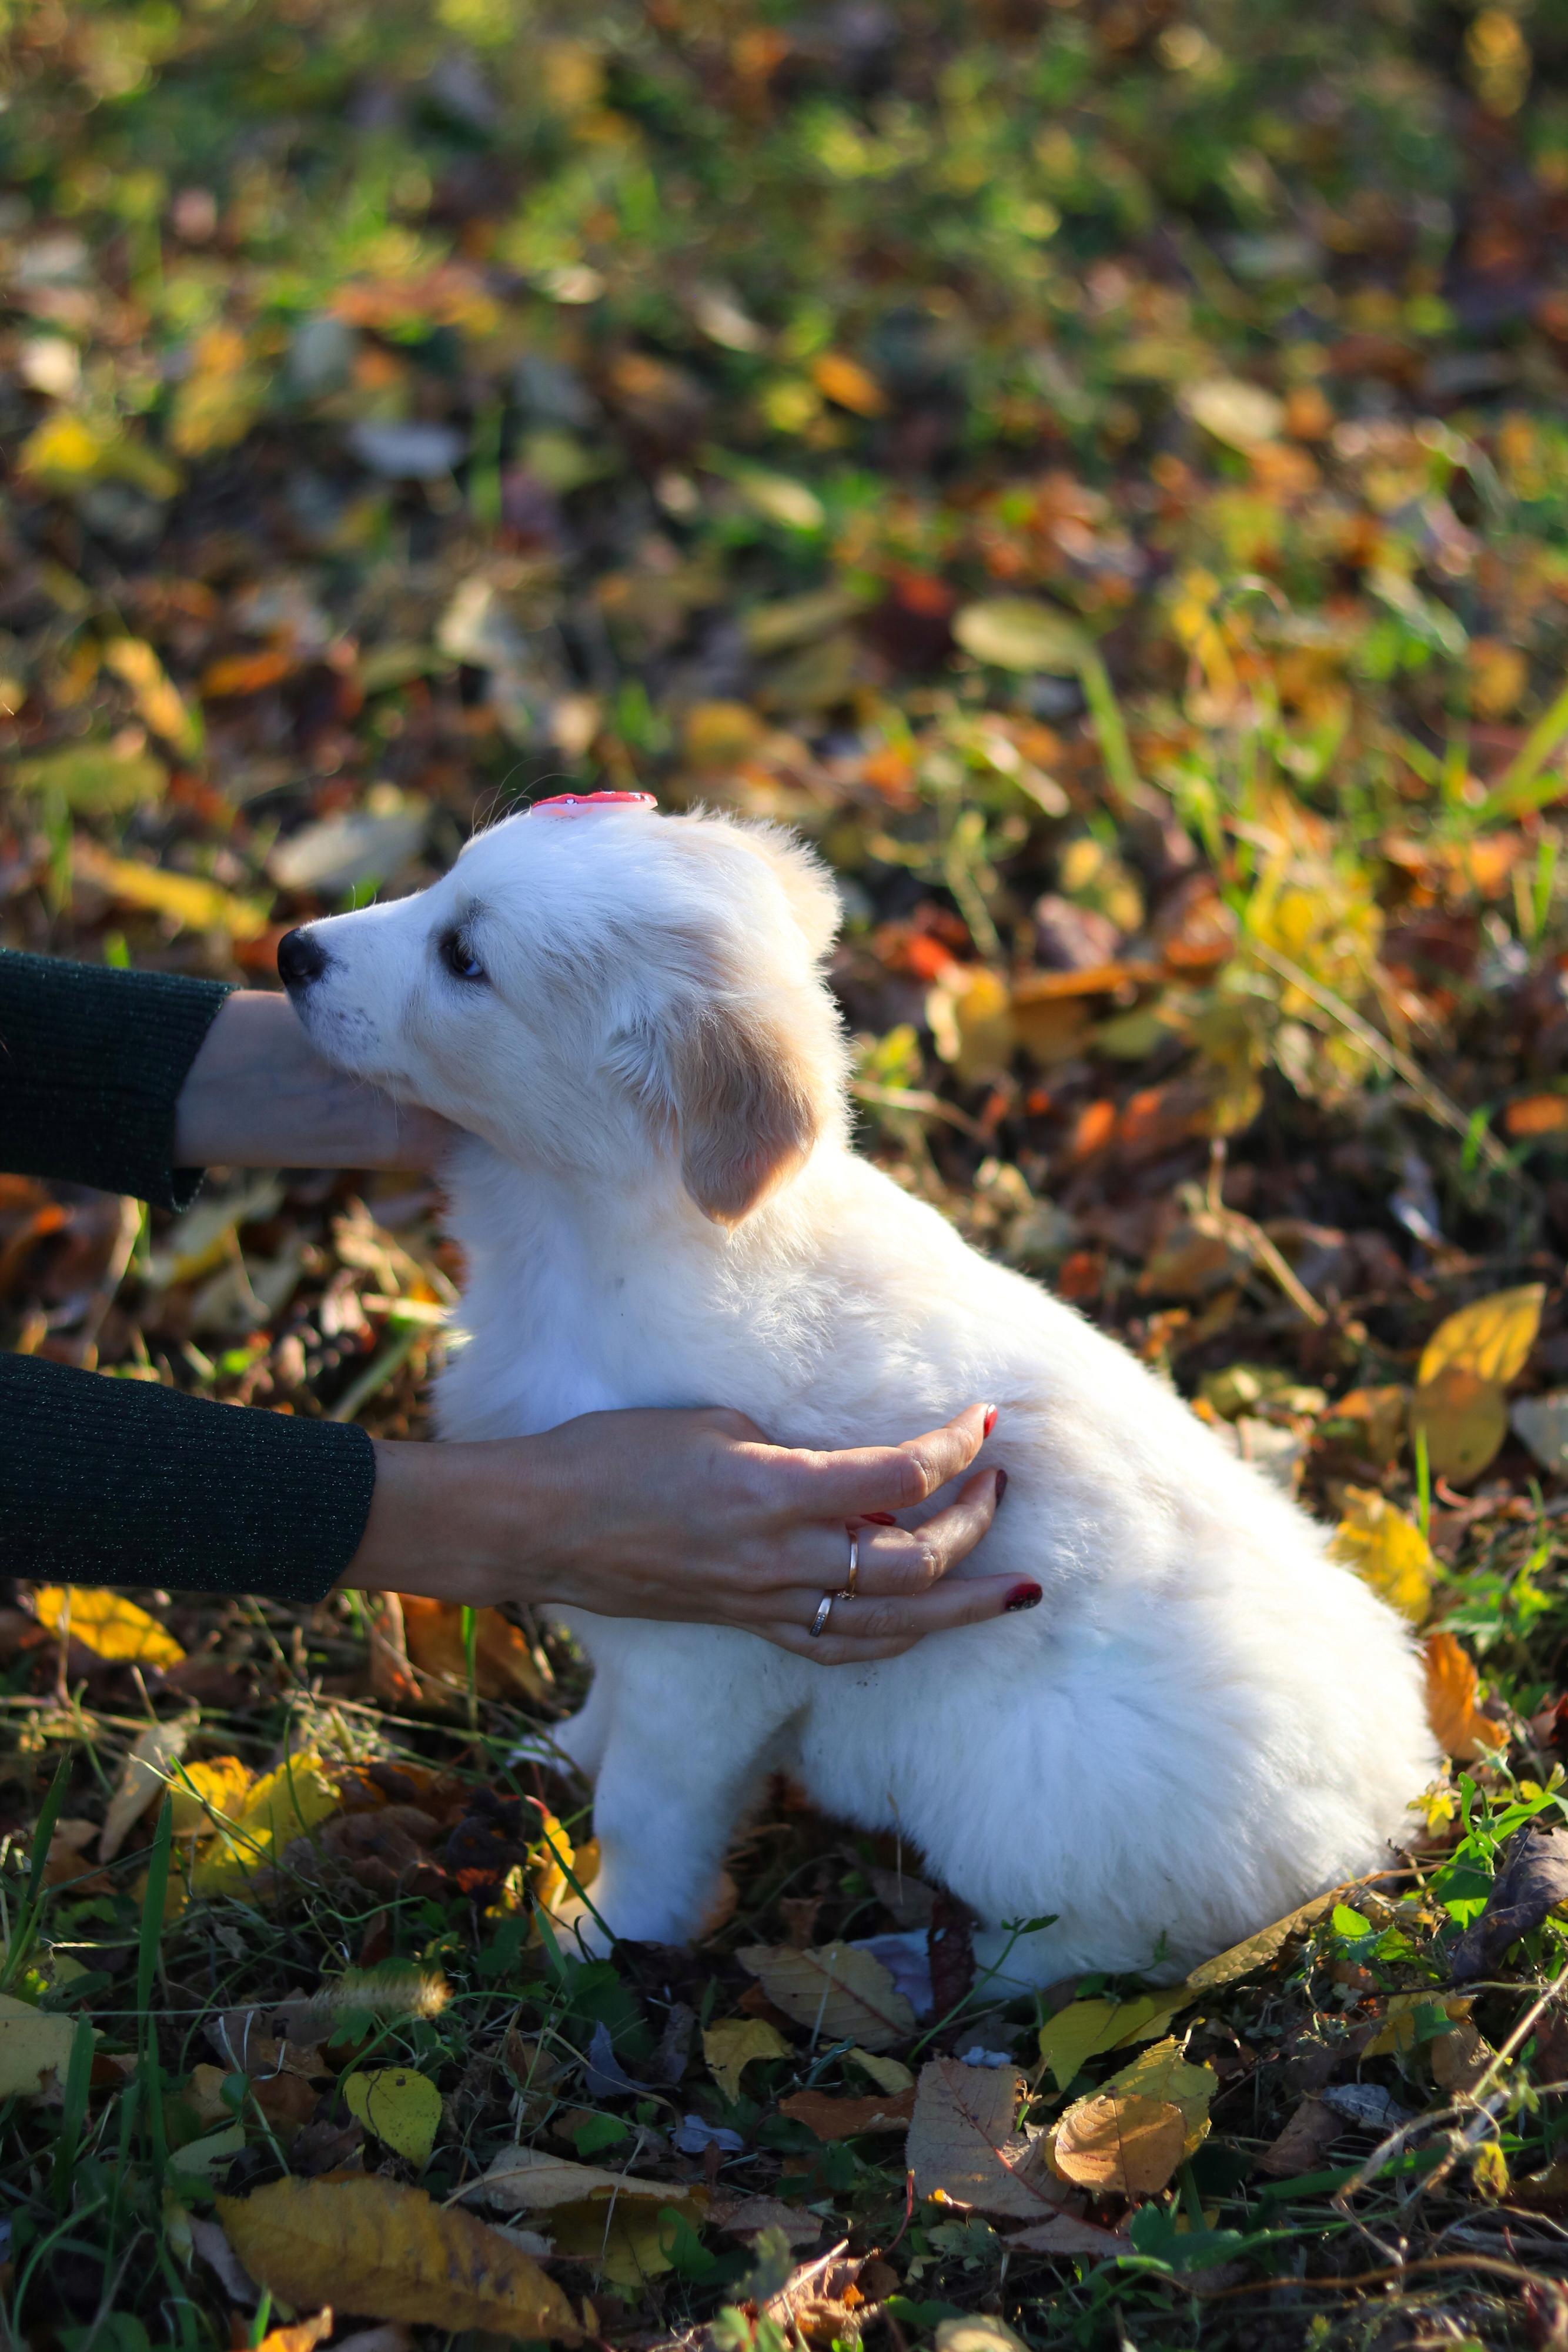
1124	2146
1537	1115
503	1663
1462	1731
832	2119
239	674
844	382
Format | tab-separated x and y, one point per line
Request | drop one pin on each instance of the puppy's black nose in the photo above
300	958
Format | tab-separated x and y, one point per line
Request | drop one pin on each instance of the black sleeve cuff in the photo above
106	1481
92	1065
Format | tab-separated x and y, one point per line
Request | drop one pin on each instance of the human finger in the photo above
889	1477
890	1625
904	1561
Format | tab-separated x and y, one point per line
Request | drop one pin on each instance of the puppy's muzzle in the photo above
300	959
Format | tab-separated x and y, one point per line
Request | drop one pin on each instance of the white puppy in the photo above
1206	1722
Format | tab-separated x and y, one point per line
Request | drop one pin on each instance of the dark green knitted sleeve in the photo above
91	1064
106	1481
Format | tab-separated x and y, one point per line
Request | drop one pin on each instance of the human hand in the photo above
692	1516
259	1095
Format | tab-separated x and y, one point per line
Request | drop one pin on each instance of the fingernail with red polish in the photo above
1001	1483
1025	1596
879	1519
990	1419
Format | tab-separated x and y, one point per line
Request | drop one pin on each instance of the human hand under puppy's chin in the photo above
692	1517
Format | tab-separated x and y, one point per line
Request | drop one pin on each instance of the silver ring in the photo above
854	1577
818	1624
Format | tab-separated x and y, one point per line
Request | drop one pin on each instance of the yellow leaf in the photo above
185	899
532	2181
841	1994
1119	2146
211	1791
626	2244
143	1775
1020	633
1163	2073
1459	1727
401	2107
730	2045
283	1804
1084	2028
889	2074
220	398
1492	1338
971	1018
1239	413
1464	1416
1396	2036
31	2047
1386	1550
158	699
382	2250
846	385
107	1623
1256	1951
65	453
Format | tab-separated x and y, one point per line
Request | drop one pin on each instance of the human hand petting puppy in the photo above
692	1516
687	1516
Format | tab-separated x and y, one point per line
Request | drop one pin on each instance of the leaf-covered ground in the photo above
1099	468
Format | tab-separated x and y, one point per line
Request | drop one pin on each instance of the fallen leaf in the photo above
1543	1422
1386	1550
1303	2143
285	1803
841	1994
187	901
142	1776
1461	1730
382	2251
1460	2058
1239	413
1398	2036
844	382
401	2106
241	674
1118	2144
1020	632
890	2075
981	2333
1491	1338
627	2244
31	2047
1065	2235
210	1790
302	2337
158	699
1533	1115
532	2181
92	779
360	844
1464	1419
504	1664
105	1623
1165	2075
1085	2028
1257	1951
731	2044
832	2119
748	2215
1532	1880
202	2162
964	2143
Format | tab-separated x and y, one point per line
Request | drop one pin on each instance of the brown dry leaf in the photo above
1465	1420
1380	1414
142	1776
1119	2146
747	2216
1065	2235
386	2251
964	2143
1461	1730
1306	2139
1459	2059
1257	1951
831	2118
841	1994
731	2044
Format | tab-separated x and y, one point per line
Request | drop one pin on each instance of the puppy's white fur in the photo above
1205	1723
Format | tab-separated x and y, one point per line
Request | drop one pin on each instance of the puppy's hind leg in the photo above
670	1789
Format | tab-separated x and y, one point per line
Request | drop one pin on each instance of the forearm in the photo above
455	1522
257	1095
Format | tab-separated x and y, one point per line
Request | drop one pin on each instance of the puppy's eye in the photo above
460	959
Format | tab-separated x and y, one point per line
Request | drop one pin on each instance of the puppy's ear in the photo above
743	1103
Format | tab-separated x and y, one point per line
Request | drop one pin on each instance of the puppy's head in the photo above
597	987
